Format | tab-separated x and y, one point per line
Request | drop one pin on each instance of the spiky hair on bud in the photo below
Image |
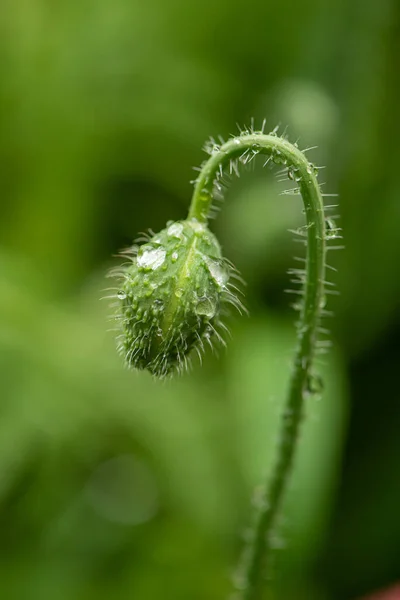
170	297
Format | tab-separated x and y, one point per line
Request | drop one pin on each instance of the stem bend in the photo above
255	562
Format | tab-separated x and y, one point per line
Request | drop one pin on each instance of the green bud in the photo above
170	297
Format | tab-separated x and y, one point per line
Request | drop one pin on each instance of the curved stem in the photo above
255	563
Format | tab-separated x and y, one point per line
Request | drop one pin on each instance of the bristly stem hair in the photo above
255	563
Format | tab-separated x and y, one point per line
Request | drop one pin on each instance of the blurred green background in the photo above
113	485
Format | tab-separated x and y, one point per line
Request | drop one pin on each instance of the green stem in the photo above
255	564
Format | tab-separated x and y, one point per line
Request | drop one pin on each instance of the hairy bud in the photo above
170	296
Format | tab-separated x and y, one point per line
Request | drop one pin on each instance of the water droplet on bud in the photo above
206	307
175	230
151	258
218	270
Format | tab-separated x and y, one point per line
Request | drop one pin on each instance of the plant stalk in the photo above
255	563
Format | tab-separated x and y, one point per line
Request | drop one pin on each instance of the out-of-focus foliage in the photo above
111	484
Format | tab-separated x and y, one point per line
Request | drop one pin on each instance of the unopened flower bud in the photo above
170	296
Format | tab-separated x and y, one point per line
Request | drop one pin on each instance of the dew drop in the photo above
218	270
196	226
236	141
121	295
312	169
279	158
331	230
159	304
314	384
151	259
206	307
205	195
174	257
294	174
179	292
175	230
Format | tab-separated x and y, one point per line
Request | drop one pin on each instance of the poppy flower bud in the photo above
170	297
